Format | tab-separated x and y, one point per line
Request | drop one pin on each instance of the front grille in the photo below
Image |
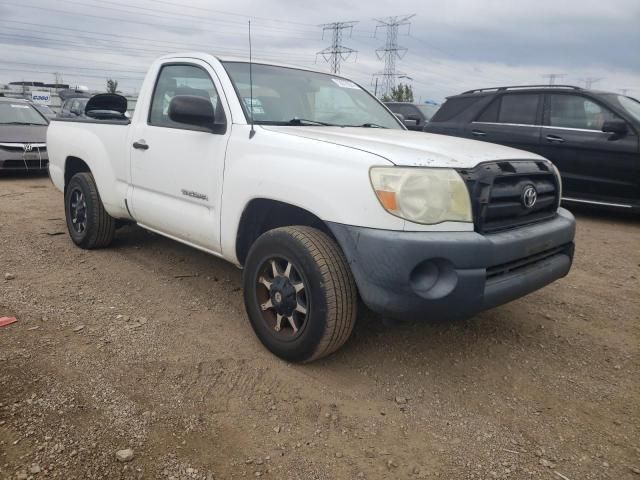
496	190
514	266
19	148
25	164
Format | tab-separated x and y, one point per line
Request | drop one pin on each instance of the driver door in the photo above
176	169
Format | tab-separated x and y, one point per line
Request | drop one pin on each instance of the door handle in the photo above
140	145
554	139
478	133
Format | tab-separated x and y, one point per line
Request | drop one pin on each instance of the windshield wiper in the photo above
304	121
20	123
370	125
366	125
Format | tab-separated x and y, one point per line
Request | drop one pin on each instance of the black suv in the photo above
73	107
414	115
591	136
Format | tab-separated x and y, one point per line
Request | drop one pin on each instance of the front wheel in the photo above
89	224
299	293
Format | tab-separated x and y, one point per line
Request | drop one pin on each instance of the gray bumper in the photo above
454	274
21	164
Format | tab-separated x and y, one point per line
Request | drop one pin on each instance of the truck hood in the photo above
407	148
23	133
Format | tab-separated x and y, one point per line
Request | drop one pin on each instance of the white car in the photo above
326	198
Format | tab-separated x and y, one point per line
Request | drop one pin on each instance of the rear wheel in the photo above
299	293
89	224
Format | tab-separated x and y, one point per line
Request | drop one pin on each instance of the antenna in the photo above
252	132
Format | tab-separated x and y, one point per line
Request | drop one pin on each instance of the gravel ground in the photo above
145	346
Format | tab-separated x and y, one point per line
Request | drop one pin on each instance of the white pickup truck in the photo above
327	199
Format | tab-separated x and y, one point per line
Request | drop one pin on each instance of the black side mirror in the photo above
410	123
192	110
616	127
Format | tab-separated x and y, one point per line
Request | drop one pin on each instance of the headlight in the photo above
422	195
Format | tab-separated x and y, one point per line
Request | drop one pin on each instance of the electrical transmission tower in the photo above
553	77
337	52
391	50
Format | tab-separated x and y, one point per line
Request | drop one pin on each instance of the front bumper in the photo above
450	275
19	163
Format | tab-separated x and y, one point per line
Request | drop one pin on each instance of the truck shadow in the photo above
373	335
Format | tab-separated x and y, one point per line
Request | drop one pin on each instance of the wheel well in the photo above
262	215
72	166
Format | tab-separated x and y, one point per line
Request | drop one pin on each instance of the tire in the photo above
89	226
328	294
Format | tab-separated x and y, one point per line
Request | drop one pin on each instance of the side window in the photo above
518	108
575	111
453	107
181	80
490	114
410	112
76	108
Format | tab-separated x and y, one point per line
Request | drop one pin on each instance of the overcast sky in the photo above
452	46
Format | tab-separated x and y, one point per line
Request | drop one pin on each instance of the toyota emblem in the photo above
27	147
529	196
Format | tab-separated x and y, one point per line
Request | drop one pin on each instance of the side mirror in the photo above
192	110
616	127
410	123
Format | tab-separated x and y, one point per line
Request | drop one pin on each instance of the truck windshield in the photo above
18	113
289	96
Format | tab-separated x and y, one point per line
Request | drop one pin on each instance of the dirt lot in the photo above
146	346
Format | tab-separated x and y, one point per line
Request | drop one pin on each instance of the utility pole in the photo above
391	51
58	80
590	81
553	77
337	52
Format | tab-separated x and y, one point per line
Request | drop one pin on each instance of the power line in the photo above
141	51
108	70
78	75
158	13
253	18
391	52
171	16
337	52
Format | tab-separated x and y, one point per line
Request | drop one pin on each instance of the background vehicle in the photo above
73	107
591	136
416	115
22	136
327	196
44	110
